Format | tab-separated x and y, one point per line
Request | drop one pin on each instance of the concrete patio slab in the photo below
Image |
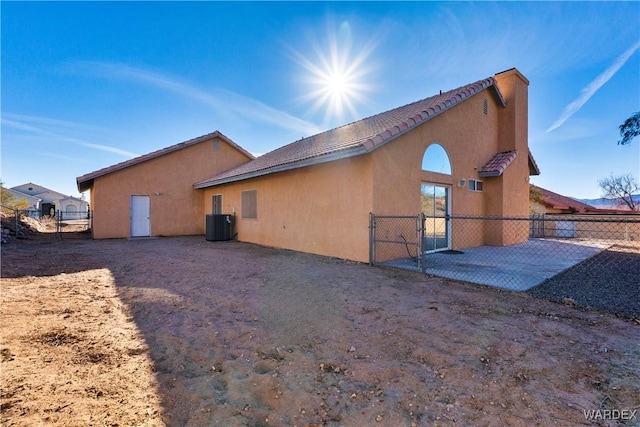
516	267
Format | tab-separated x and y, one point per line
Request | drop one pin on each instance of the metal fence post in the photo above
422	255
58	225
584	257
372	236
419	253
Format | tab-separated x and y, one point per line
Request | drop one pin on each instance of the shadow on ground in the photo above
244	335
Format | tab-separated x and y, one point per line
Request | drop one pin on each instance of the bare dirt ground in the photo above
185	332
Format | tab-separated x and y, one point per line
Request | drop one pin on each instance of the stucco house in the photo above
543	201
460	152
153	195
555	215
548	202
44	201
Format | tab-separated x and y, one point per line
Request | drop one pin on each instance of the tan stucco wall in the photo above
324	209
469	138
514	131
321	209
176	208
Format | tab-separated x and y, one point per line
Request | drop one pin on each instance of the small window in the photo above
250	204
216	204
485	107
216	144
475	185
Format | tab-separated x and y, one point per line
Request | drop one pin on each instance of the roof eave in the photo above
85	182
533	165
489	174
375	141
499	95
383	138
370	144
338	155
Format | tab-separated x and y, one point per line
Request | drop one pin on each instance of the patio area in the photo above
516	267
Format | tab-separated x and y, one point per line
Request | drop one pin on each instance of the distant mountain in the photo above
603	203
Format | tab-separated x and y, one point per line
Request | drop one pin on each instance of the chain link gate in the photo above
516	253
397	241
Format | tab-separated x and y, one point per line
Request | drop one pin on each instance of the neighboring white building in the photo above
51	201
72	208
33	201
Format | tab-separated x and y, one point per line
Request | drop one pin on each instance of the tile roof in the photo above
498	163
84	181
558	201
355	138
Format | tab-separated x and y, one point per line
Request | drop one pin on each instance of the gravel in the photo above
609	281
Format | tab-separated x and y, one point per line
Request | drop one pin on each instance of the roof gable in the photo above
32	189
355	138
84	182
73	199
20	195
44	194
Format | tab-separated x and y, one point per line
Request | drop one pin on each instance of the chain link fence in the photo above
512	253
21	224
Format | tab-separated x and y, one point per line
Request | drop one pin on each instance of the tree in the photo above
630	129
535	195
8	201
621	188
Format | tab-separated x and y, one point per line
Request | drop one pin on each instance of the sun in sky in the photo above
336	76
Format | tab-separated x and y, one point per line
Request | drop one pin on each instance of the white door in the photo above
140	223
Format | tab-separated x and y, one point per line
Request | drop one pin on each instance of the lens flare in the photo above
336	77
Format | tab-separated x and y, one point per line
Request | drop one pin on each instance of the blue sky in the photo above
86	85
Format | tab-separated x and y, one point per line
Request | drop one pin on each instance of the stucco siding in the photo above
471	134
470	140
322	209
175	207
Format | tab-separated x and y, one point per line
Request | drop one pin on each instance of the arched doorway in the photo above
436	201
